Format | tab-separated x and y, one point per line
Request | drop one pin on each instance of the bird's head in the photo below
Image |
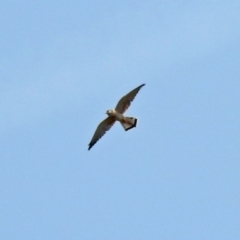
109	112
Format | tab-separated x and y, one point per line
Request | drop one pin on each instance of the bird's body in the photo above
113	113
117	115
127	122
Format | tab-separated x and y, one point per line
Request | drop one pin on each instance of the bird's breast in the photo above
119	116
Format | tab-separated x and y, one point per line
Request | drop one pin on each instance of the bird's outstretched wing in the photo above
104	126
126	100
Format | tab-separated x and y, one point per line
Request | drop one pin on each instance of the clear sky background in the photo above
175	176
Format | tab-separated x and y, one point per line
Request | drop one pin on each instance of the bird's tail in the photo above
129	123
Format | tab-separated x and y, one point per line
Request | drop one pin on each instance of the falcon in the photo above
117	115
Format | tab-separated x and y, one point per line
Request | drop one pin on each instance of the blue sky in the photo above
175	176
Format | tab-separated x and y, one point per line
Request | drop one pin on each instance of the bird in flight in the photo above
117	115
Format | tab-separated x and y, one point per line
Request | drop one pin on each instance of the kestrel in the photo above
117	115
